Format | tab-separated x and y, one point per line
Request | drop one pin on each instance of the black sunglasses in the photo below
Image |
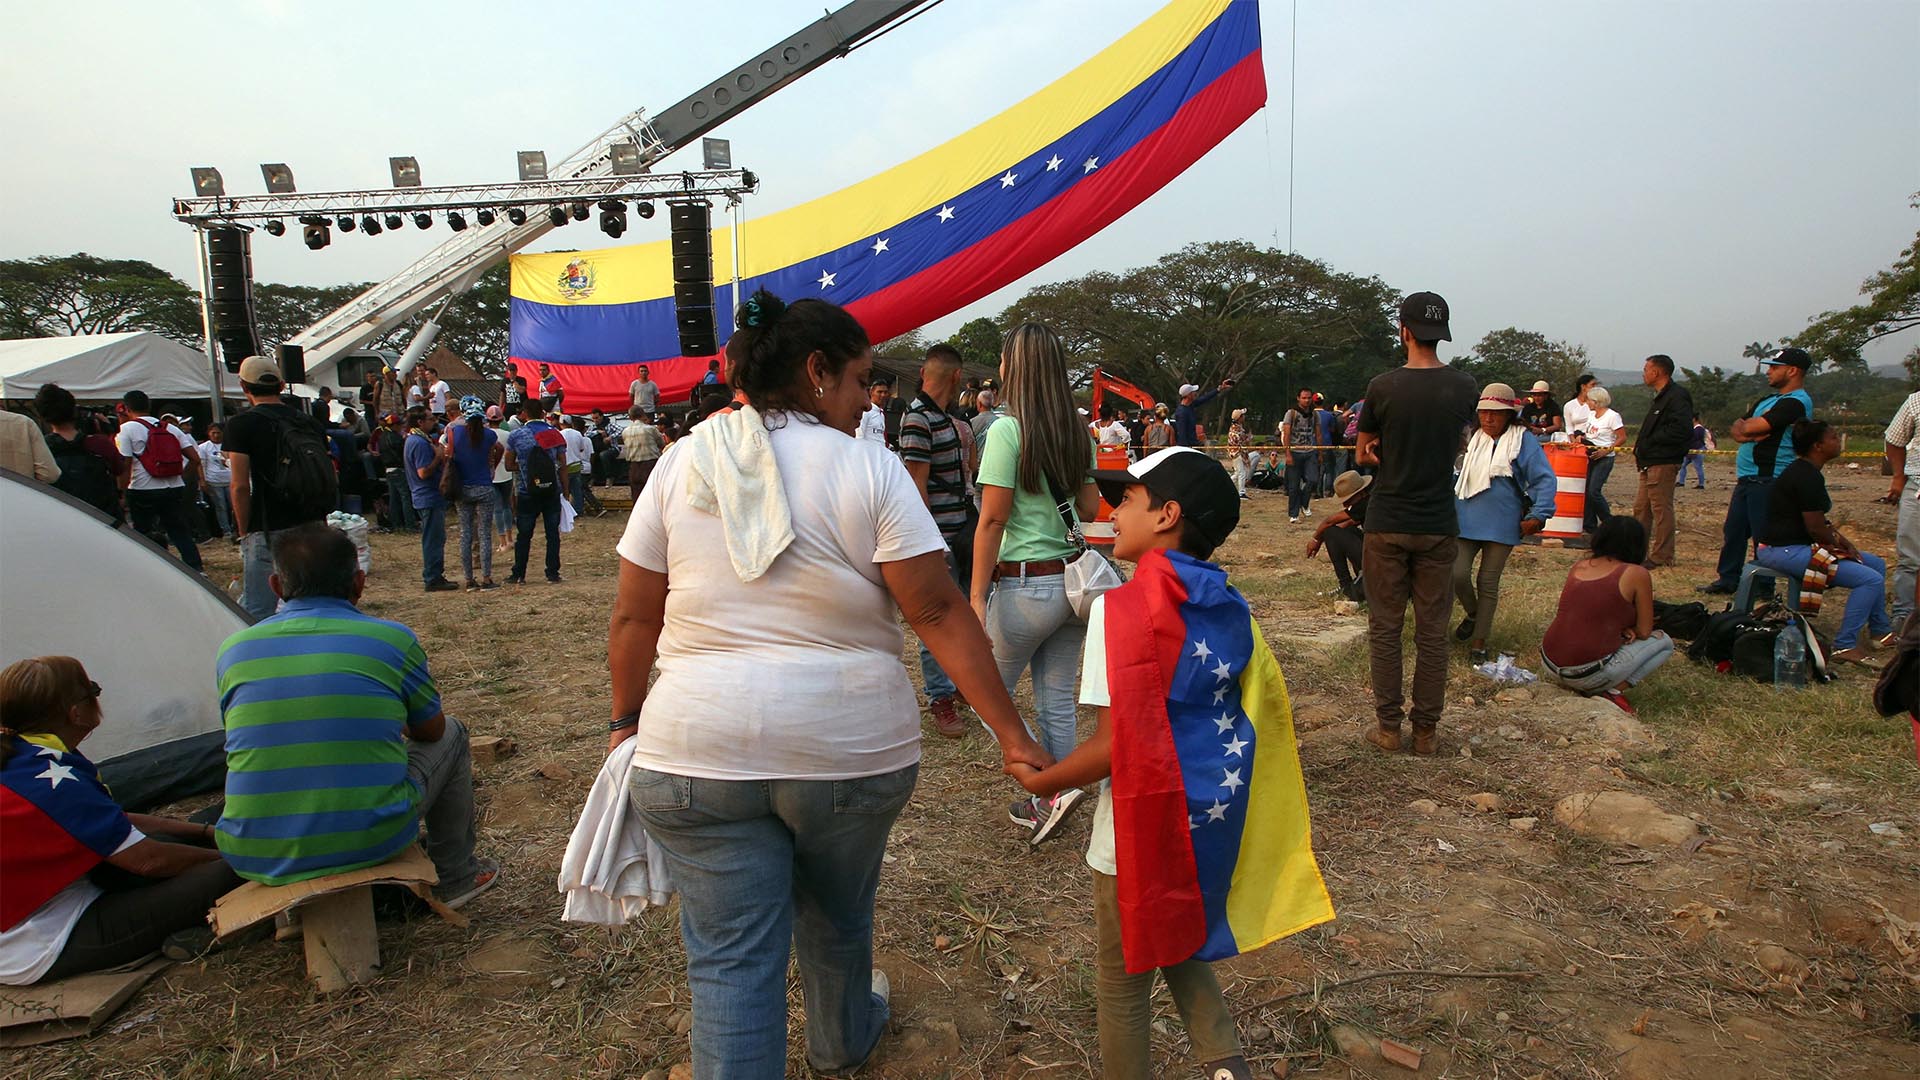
93	689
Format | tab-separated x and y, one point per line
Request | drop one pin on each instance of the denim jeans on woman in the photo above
764	867
476	529
1630	664
1865	581
1032	625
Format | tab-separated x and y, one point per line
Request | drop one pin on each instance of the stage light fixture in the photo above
406	171
516	215
423	219
207	182
370	225
394	222
625	158
533	165
748	179
613	224
276	227
580	211
644	209
456	221
279	178
316	236
483	216
557	215
345	222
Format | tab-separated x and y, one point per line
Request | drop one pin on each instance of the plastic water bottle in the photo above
1789	659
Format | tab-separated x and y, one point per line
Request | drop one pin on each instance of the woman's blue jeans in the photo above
1032	626
762	867
1865	582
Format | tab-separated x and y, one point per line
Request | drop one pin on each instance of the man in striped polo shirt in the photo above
337	749
931	449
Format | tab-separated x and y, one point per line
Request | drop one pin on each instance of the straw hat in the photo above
1541	387
1348	484
1238	413
1497	396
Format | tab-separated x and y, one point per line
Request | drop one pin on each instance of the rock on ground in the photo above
1623	818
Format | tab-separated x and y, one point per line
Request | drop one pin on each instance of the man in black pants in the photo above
1344	534
537	501
159	504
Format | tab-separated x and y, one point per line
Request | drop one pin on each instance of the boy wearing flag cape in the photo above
1200	847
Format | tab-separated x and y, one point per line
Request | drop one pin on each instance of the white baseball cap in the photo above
1189	388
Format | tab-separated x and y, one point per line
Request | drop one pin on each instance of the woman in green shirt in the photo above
1031	462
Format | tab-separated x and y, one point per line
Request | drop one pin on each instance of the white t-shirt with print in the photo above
30	948
1093	691
133	439
579	451
440	390
798	673
1603	428
873	425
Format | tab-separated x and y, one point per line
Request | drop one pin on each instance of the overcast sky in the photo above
1635	176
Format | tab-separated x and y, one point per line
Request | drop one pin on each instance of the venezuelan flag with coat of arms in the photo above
1212	842
927	237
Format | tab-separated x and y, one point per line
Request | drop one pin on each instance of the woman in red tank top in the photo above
1602	638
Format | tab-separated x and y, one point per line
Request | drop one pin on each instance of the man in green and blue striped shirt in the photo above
337	749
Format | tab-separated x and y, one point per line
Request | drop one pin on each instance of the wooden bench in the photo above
336	914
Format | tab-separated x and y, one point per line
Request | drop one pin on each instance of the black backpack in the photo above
541	474
1682	622
83	474
302	474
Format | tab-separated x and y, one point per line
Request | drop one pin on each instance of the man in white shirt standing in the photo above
646	392
1579	409
1903	453
873	422
161	476
437	391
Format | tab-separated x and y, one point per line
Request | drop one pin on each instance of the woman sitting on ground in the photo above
1798	535
1504	492
84	886
1602	640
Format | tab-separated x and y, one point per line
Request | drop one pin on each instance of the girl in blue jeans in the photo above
1797	523
1036	482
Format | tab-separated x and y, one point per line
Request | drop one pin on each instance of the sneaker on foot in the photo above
442	585
1619	699
186	945
1718	588
516	579
1026	812
489	584
1231	1068
486	875
1058	812
1293	521
882	988
553	579
1464	630
946	717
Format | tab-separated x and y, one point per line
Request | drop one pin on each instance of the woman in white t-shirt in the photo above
764	570
216	479
1601	432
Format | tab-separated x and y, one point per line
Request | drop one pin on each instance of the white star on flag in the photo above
1092	164
48	751
1217	812
880	245
55	773
1223	671
1053	163
1192	824
1225	723
946	213
1232	782
826	278
1238	744
1007	180
1200	650
1220	695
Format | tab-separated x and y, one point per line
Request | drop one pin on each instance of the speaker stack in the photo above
230	294
692	231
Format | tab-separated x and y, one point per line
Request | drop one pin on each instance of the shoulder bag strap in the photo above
1074	535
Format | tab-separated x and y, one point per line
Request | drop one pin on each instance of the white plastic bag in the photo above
357	531
566	516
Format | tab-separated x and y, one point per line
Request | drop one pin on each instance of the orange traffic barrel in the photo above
1569	461
1099	531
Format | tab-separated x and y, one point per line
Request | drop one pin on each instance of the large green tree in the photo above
1519	357
281	311
59	295
978	341
1892	305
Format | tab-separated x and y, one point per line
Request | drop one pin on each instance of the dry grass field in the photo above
1782	940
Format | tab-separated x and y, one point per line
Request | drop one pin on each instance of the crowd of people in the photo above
775	545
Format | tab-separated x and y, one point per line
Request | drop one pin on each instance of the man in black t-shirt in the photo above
1415	421
260	509
1797	536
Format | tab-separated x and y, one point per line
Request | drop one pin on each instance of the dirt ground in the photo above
1759	928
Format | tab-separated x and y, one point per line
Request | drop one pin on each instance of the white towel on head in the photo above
612	870
733	475
1485	459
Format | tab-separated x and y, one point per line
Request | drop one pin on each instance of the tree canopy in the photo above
59	295
1519	357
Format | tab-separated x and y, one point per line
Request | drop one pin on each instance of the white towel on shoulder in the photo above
733	474
612	869
1485	459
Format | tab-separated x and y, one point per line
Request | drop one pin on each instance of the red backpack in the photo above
161	457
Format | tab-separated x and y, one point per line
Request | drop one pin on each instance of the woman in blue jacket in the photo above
1504	491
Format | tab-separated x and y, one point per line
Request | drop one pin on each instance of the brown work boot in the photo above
1425	739
1384	737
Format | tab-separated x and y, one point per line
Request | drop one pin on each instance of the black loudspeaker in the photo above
692	233
293	363
230	294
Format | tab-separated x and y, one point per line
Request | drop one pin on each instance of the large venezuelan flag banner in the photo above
929	236
1211	837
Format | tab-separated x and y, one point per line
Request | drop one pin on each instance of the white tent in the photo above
146	627
98	367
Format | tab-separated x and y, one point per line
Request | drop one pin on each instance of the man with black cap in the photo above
1411	431
283	476
1760	460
